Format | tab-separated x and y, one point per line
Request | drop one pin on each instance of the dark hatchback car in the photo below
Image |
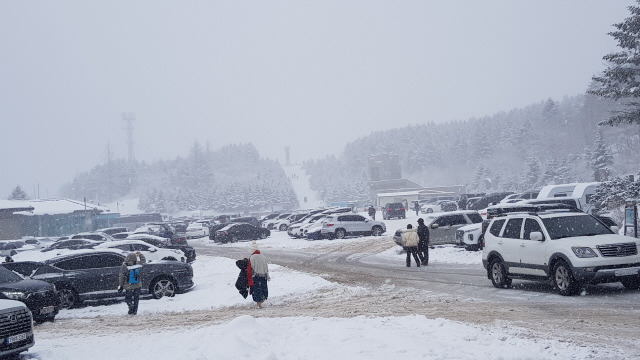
247	219
72	244
236	232
394	210
39	296
94	275
189	252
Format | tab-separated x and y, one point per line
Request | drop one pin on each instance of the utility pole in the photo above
109	169
128	118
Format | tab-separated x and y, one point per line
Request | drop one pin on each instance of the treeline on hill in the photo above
544	143
231	179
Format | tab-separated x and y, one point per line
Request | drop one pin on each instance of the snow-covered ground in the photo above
251	336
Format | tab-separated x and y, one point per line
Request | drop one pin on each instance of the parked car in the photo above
93	274
340	226
12	247
569	248
122	235
214	229
269	224
297	230
197	230
18	334
150	252
72	244
236	232
439	206
98	236
164	243
394	210
489	199
443	226
158	229
112	230
246	219
39	296
283	224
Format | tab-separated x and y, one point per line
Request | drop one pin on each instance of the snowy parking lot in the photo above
309	316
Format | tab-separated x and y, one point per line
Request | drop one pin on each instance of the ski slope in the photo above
302	187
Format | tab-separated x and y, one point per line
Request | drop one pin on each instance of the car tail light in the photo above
329	224
402	209
389	209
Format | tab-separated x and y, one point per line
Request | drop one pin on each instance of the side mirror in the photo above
536	236
615	229
153	249
435	226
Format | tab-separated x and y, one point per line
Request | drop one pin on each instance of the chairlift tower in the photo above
128	118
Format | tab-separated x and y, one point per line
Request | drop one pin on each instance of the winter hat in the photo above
420	221
131	259
254	246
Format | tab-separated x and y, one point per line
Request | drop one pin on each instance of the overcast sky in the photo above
313	75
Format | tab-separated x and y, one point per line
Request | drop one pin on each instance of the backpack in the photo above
134	274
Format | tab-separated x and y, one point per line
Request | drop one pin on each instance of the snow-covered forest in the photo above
521	149
232	178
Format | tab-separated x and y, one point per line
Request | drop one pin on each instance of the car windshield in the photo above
571	226
7	276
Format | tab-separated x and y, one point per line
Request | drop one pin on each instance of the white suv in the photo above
339	226
570	248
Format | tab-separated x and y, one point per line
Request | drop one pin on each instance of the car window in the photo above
442	221
358	217
73	264
457	220
125	247
531	225
7	276
110	260
570	226
512	229
496	227
475	218
140	247
343	218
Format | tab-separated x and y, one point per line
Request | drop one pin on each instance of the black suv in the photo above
487	200
39	296
394	210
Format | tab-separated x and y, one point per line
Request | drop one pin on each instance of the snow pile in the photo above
215	279
246	337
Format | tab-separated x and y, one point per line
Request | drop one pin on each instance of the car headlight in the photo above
14	295
584	252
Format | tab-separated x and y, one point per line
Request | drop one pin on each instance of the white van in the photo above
580	191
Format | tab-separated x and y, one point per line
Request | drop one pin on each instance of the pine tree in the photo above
601	159
531	178
18	194
621	80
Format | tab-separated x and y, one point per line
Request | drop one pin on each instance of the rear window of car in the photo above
475	218
395	206
496	227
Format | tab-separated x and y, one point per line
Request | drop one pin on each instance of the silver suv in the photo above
339	226
571	249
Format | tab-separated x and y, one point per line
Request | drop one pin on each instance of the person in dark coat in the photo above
242	284
423	244
416	207
372	212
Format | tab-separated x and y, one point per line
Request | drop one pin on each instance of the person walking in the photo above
423	244
130	280
258	275
372	212
416	207
410	240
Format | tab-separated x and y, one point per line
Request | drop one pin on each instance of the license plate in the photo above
16	338
626	272
46	310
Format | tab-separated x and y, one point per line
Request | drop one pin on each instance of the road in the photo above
608	314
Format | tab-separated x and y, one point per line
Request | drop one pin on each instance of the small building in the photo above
50	217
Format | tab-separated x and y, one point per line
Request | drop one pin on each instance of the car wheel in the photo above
376	231
68	297
283	227
563	279
429	210
263	234
170	258
162	287
499	274
631	283
340	233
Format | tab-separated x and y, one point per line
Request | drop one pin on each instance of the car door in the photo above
533	255
360	224
81	272
510	242
436	236
455	222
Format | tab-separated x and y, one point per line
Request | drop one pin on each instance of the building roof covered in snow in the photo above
50	206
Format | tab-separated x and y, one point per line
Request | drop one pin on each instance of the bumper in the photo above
18	347
594	275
